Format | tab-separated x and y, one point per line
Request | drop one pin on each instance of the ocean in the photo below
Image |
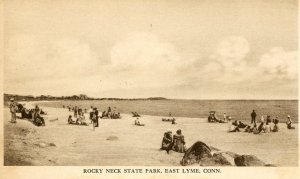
237	109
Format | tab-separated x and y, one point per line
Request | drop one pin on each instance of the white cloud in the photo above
231	51
145	60
279	63
29	58
229	64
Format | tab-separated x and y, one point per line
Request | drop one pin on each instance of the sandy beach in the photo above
60	144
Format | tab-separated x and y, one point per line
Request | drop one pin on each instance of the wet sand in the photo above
26	144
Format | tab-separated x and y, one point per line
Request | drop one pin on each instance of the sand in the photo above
61	144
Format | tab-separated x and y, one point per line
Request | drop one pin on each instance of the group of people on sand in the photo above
80	117
110	114
263	126
93	116
212	118
171	119
34	115
175	143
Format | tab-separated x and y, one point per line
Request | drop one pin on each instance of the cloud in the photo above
230	64
231	51
29	58
279	63
145	60
143	64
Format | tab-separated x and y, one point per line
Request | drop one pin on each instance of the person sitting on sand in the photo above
166	141
103	114
43	112
215	118
178	142
234	127
70	120
241	125
268	126
268	119
174	121
211	117
275	128
255	129
261	127
137	122
235	123
37	108
262	119
289	123
247	129
38	119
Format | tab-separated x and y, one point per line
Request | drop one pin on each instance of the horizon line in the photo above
165	97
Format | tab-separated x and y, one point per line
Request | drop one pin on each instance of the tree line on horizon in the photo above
7	97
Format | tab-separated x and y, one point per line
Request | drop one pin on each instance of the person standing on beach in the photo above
91	111
13	110
253	116
75	111
97	117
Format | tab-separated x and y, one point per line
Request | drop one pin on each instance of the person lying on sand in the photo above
289	123
166	141
178	142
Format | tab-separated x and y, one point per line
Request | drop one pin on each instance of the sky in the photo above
208	49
